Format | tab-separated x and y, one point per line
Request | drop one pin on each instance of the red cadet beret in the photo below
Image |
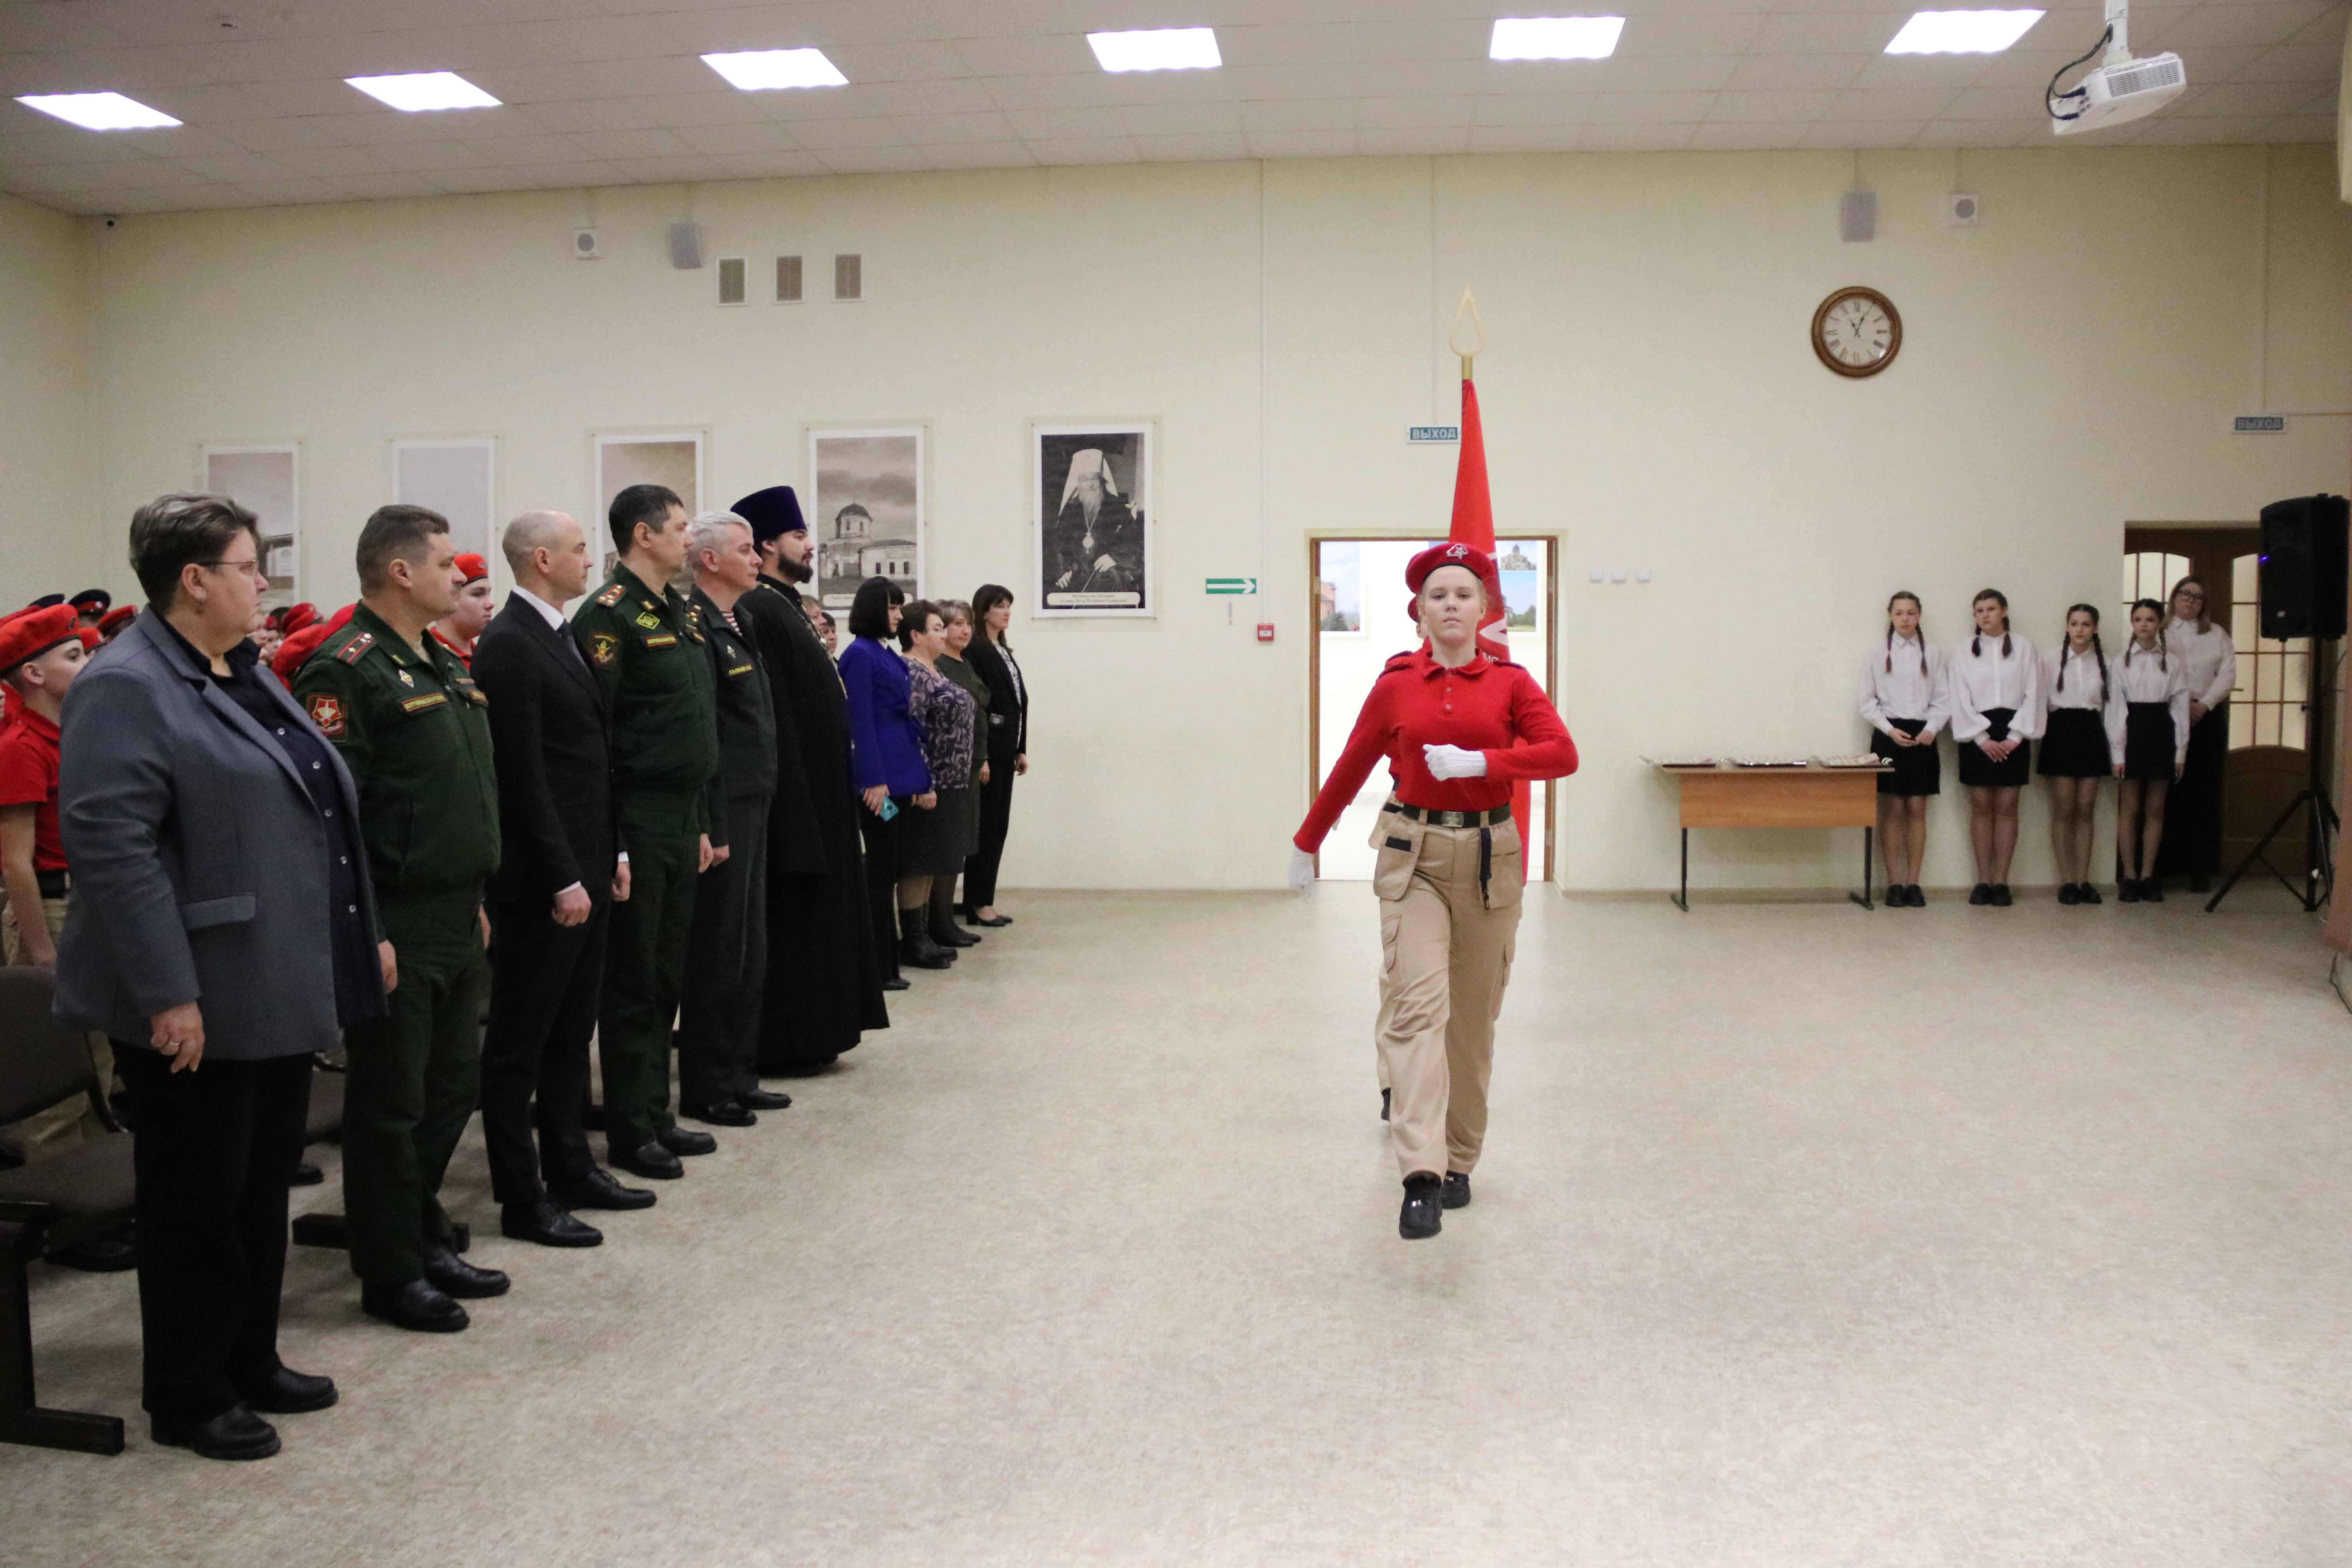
473	566
33	632
294	617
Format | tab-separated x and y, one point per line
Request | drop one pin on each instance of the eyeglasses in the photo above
251	568
2189	594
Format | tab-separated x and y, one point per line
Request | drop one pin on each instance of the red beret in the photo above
1481	565
294	617
473	566
297	647
121	616
339	619
33	633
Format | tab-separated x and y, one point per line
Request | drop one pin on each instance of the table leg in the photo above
1681	900
1863	898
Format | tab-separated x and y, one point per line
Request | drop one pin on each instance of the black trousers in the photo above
2193	810
545	983
726	964
212	1152
995	821
882	879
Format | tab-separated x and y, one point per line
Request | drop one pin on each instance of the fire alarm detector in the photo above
1266	631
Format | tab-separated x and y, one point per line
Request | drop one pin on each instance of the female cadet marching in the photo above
1456	727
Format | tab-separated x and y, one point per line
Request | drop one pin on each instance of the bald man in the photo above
549	901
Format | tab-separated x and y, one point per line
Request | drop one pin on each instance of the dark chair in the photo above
51	1205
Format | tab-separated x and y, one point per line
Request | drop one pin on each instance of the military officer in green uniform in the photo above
644	644
416	736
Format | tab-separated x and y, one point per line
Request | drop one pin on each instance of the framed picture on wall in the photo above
457	479
866	504
621	461
267	480
1092	495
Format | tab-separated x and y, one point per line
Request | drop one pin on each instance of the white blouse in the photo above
2209	661
2140	676
1976	682
1914	689
2082	686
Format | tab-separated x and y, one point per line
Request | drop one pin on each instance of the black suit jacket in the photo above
554	759
1008	708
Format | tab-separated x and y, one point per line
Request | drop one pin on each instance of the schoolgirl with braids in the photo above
2075	748
1994	682
1903	702
2148	742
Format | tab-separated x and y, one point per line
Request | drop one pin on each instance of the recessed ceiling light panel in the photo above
764	70
422	90
1555	38
98	111
1157	50
1961	32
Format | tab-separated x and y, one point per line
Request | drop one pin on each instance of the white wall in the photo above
2069	365
45	391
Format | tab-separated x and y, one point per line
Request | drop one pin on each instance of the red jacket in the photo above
1482	706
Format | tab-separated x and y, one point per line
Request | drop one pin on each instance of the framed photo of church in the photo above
1091	488
866	506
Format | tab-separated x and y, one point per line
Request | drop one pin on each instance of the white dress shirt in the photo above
2084	686
1913	688
1979	677
2209	661
2143	675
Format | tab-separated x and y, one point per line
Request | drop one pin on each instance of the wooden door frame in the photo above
1316	540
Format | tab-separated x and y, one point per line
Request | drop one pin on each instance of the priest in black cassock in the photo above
824	982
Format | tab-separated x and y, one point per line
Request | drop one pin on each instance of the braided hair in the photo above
2157	610
1976	642
2097	651
1898	597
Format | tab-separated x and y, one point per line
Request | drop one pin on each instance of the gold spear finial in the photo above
1469	307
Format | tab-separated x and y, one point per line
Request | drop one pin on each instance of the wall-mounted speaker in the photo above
849	276
1960	210
1858	216
686	246
788	280
731	280
587	244
2302	576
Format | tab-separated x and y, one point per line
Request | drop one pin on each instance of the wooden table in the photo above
1724	796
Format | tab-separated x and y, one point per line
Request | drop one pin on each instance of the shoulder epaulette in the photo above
613	595
356	646
1399	661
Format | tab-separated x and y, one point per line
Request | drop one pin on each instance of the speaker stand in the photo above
2321	825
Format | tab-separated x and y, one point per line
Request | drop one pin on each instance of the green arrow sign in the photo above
1232	585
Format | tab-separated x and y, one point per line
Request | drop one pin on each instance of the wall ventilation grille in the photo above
849	276
788	280
731	280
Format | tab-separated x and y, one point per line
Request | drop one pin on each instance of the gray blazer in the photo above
199	861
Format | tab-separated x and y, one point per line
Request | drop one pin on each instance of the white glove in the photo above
1453	762
1302	872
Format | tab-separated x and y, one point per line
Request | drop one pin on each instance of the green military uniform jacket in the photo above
645	648
415	734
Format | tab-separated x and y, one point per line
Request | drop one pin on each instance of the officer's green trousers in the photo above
415	1077
726	964
645	966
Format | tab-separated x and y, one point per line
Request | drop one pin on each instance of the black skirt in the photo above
1918	770
2149	744
2074	745
1981	771
935	843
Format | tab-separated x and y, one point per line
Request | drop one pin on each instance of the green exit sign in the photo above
1232	585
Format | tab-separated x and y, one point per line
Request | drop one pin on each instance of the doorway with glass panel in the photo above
1362	618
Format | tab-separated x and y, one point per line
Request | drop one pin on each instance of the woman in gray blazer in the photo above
221	929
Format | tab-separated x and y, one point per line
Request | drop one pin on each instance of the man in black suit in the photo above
550	897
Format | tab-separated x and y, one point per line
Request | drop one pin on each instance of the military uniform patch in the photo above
612	595
667	639
406	679
327	713
651	621
604	648
356	646
423	700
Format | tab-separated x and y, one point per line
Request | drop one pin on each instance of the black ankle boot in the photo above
943	928
915	948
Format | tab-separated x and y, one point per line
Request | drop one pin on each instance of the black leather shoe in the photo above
2127	890
235	1433
598	1190
286	1391
1982	893
452	1275
414	1305
1456	1190
108	1252
1384	1104
915	948
2151	890
1421	1217
2069	895
547	1222
2090	892
895	983
649	1159
306	1174
727	1113
1918	898
2001	899
685	1141
762	1100
990	923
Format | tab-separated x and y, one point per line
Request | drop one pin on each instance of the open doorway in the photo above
1363	617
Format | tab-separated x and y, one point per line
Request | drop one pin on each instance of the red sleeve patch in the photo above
327	713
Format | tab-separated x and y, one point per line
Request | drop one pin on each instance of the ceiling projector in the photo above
2119	87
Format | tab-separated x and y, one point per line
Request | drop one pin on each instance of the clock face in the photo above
1856	331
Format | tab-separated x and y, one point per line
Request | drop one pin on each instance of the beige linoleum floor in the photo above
1807	1237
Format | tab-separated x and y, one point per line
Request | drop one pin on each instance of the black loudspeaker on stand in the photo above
2303	574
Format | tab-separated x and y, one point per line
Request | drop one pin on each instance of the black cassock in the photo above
824	983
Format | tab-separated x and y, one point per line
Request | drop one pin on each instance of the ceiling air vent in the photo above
849	276
788	280
730	279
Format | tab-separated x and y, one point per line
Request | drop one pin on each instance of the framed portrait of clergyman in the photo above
1093	502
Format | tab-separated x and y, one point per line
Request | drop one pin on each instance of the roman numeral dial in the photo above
1857	332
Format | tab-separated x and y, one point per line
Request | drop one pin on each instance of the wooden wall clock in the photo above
1857	332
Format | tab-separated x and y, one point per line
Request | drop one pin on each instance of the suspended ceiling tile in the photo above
1086	149
1330	143
1438	39
1963	134
527	151
1068	91
1300	114
1064	124
2166	132
327	163
1326	43
1051	54
1414	114
1759	106
1644	137
1181	120
233	168
1427	142
770	165
955	130
2239	24
615	145
1882	104
828	135
1651	73
1195	149
724	106
2244	98
1990	103
927	59
1759	136
979	155
962	95
1650	108
2293	62
1528	111
271	192
1502	79
565	176
386	187
1825	33
1725	30
1861	133
1278	83
1418	78
471	182
2301	128
1796	73
587	114
279	135
595	79
677	170
1523	138
873	160
766	136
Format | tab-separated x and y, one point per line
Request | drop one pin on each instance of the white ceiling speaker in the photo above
686	246
1858	216
1960	210
587	244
